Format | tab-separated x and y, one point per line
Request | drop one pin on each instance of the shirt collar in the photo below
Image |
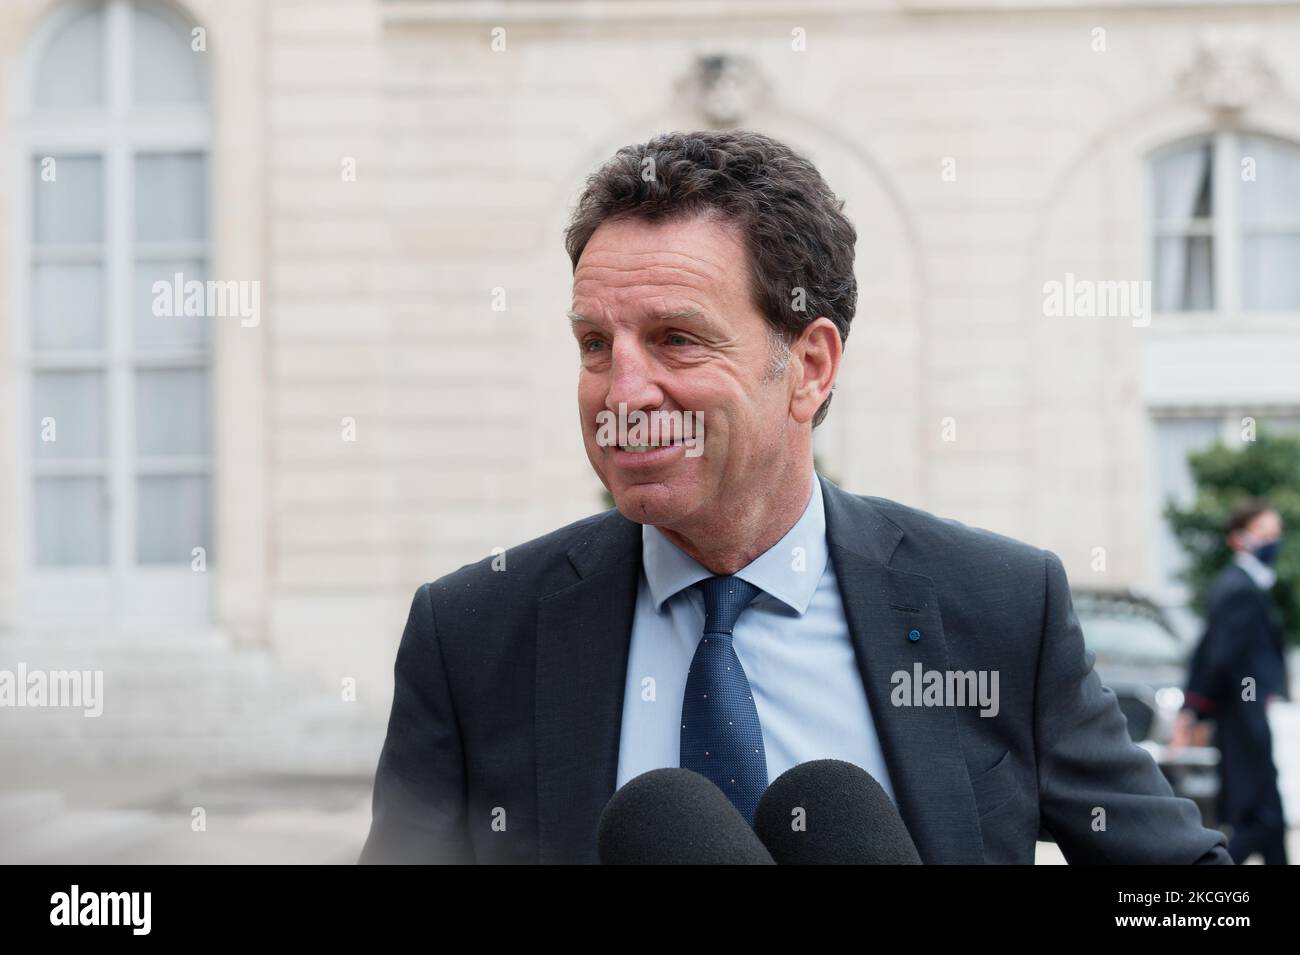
789	570
1263	575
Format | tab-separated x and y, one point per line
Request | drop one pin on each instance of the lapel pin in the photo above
914	636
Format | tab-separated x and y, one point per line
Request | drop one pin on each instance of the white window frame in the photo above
122	595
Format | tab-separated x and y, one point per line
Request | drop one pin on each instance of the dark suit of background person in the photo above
509	695
1240	641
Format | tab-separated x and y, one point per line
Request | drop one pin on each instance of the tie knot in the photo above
724	599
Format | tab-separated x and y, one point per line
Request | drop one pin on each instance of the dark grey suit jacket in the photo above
503	740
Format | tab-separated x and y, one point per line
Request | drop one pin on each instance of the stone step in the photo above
187	702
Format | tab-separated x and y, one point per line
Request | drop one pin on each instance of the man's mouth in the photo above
643	448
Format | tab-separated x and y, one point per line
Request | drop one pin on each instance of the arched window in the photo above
1226	225
116	130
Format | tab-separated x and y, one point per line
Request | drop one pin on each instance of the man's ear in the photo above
815	361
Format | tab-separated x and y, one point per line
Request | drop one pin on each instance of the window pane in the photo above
169	197
1182	180
172	330
75	402
1175	439
171	412
172	518
1184	279
71	521
71	71
66	307
168	71
67	207
1273	197
1270	272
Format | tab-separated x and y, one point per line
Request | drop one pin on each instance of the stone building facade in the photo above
395	177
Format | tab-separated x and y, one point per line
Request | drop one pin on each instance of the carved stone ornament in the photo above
1229	71
725	88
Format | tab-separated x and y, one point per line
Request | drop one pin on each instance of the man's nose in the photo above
631	381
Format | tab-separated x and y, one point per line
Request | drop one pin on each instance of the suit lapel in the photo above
922	750
583	634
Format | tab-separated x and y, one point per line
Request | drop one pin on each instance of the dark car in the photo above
1143	661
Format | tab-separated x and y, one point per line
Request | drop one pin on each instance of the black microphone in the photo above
675	817
831	812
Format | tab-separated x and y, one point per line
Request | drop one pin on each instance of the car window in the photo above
1129	637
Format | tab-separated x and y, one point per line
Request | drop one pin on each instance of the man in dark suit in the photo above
1236	671
737	614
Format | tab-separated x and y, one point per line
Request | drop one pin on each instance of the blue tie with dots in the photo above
721	735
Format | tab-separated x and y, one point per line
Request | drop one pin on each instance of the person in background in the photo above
1236	671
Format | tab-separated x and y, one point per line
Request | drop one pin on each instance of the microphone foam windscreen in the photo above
675	817
828	811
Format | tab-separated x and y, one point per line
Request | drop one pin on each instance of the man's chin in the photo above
651	504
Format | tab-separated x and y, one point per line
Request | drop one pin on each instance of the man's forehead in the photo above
632	270
654	313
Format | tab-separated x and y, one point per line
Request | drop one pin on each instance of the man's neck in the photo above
730	544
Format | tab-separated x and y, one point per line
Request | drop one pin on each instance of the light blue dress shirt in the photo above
793	642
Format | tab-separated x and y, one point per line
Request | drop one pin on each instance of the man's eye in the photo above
678	340
586	345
